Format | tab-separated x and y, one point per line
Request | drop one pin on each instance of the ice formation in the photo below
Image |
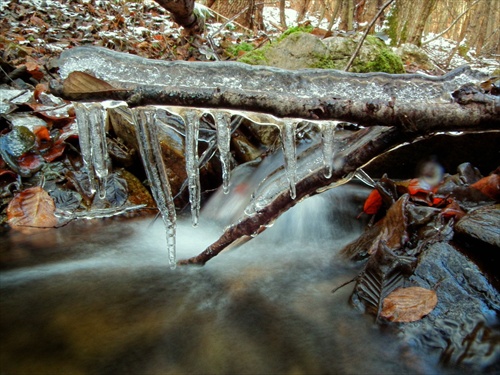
92	119
91	122
149	146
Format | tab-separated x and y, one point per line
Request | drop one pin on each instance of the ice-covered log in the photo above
414	102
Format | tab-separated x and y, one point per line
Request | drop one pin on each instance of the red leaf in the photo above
54	152
417	185
373	203
30	208
43	140
489	186
29	161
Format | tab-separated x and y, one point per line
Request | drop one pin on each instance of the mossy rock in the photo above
301	50
415	56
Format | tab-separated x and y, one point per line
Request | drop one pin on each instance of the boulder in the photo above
303	50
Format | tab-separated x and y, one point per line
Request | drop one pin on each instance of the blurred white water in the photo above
102	299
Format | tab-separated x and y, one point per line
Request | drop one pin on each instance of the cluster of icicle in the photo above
92	118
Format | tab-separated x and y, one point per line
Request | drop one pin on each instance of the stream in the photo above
100	298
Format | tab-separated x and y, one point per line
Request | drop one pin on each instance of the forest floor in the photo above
34	32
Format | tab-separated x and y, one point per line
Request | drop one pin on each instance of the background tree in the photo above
249	11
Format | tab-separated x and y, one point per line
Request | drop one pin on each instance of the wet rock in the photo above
482	224
171	137
461	329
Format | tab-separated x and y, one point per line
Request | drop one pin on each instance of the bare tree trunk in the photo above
303	10
416	36
334	15
251	18
283	15
347	15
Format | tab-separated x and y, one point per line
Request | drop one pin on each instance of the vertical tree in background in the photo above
347	15
251	12
408	19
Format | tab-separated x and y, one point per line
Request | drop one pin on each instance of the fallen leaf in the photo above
373	203
489	186
82	83
406	305
31	208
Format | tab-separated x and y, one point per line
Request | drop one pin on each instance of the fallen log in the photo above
413	102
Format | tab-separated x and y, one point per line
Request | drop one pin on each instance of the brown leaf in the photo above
83	83
30	208
408	304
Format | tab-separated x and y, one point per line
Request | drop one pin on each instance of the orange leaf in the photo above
417	185
489	186
34	70
408	304
30	208
373	203
39	89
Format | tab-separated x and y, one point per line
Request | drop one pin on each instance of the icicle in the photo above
364	177
223	124
149	146
327	135
91	121
287	132
192	122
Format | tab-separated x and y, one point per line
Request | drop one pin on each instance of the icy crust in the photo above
128	71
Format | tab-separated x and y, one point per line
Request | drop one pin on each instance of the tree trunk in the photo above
347	15
283	15
251	12
306	94
426	8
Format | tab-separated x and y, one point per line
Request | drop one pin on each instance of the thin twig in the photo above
360	43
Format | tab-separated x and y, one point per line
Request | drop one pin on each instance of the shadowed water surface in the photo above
100	298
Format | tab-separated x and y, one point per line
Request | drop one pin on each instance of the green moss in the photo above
325	62
255	57
295	29
463	50
386	61
234	50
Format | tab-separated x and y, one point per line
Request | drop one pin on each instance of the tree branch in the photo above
362	147
360	43
182	13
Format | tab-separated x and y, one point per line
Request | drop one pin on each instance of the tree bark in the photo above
182	13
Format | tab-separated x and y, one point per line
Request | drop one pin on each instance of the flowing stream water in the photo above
101	299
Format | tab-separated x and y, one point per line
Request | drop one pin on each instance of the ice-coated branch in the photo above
362	147
412	102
